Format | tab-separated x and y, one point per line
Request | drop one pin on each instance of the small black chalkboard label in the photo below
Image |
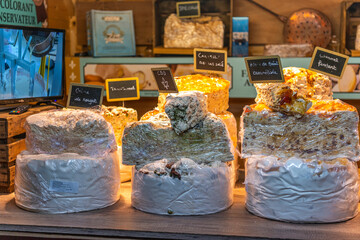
84	95
188	9
164	80
264	69
207	60
328	62
122	89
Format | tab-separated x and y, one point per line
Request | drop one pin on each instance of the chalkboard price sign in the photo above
122	89
207	60
264	69
164	80
188	9
328	62
84	95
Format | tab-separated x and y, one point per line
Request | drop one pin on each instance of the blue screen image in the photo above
31	63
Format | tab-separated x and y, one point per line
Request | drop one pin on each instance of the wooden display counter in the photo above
122	221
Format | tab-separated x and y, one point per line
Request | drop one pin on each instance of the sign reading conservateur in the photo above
84	95
188	9
328	62
208	60
164	80
264	69
23	12
122	89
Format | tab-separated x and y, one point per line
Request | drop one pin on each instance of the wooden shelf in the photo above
176	51
355	53
121	220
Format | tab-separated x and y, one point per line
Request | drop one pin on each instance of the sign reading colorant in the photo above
264	69
328	62
164	80
84	95
122	89
207	60
188	9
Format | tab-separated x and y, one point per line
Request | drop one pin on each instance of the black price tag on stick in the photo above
164	80
264	69
122	89
207	60
84	95
328	62
188	9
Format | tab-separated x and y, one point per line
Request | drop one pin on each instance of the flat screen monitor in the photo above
31	64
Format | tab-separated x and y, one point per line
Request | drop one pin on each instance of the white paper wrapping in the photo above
302	191
67	182
201	189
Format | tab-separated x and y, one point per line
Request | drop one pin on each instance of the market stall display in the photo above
183	153
70	165
300	166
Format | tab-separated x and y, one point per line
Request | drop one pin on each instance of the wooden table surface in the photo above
122	221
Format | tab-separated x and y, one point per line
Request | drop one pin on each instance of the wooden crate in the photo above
9	151
12	125
8	189
163	8
7	176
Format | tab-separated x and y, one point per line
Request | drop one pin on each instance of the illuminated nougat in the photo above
328	130
216	90
119	117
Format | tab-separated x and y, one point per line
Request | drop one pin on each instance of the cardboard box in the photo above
110	33
240	38
142	14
